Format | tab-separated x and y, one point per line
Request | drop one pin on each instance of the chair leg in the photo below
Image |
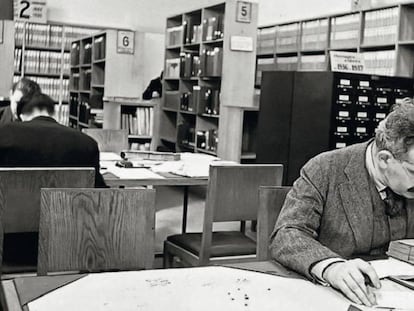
168	258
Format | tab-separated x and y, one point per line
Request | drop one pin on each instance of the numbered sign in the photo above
125	42
244	12
347	62
30	10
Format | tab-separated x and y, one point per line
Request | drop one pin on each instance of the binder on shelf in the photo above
172	68
175	36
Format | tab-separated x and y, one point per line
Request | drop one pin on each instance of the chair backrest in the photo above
233	190
109	140
271	200
233	195
96	229
20	193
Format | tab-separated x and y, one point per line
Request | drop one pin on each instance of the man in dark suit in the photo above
22	90
351	203
40	141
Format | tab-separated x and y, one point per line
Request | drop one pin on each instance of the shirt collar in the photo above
372	170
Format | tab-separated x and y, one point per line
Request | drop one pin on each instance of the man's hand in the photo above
350	277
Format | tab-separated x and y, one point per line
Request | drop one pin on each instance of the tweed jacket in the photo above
329	211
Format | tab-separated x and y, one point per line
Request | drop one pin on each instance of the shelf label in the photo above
244	12
30	11
347	62
239	43
125	42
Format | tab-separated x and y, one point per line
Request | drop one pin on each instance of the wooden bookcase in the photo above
385	35
138	116
42	54
208	81
98	70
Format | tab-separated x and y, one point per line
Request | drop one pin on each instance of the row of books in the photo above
190	32
201	100
62	114
74	33
189	65
287	37
381	26
41	62
140	146
313	63
266	40
99	45
139	122
207	140
314	34
211	61
402	250
38	35
212	28
81	80
49	86
380	62
208	64
345	31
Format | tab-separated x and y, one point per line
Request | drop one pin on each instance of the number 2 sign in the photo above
244	12
125	42
30	10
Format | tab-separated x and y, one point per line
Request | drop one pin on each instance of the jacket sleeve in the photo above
295	237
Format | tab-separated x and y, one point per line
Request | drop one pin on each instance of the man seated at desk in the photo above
39	141
22	90
350	203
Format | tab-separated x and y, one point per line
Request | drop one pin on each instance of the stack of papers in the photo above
402	250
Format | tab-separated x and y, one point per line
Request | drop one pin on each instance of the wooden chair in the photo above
109	140
271	200
20	194
232	195
96	230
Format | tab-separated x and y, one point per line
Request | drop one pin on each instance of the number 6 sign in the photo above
244	12
125	42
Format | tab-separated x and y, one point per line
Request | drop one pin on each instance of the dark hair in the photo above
27	87
396	132
40	101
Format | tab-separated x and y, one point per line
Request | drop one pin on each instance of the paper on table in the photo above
134	173
188	289
392	266
109	156
393	295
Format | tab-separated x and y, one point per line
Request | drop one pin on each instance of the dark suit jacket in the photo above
6	115
43	142
329	211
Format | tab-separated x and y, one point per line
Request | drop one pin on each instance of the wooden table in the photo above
167	179
204	288
211	288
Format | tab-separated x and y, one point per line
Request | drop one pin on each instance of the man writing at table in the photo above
351	203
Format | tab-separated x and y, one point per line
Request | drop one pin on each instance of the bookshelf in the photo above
203	104
41	52
96	71
384	35
138	117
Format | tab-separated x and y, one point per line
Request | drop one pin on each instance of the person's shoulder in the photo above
337	157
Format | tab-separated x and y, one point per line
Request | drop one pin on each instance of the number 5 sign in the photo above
244	12
125	42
